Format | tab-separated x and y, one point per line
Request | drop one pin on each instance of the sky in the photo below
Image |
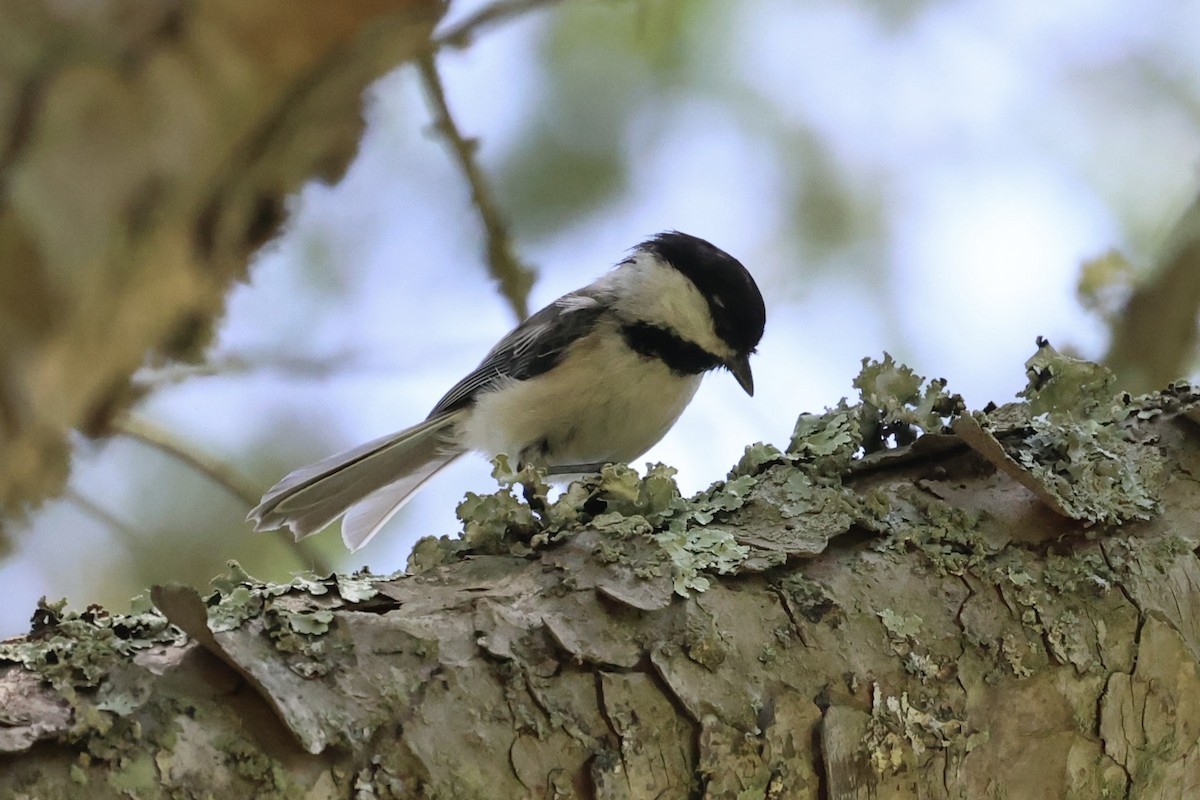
924	181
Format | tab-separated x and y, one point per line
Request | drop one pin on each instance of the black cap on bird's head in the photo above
734	301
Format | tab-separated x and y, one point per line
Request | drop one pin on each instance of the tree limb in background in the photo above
125	532
514	277
341	362
146	151
220	474
1154	338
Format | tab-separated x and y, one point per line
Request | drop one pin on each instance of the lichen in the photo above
237	596
696	550
617	501
900	732
898	625
1079	572
1076	444
898	405
827	443
756	458
75	650
1068	436
1096	473
947	536
1063	386
357	587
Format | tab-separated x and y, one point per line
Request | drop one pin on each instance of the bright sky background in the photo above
984	150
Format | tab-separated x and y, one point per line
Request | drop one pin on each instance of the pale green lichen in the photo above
756	458
898	405
309	623
946	535
76	650
1079	572
357	587
294	615
431	552
900	732
804	497
721	498
694	551
827	443
520	518
1078	446
1069	436
618	501
1061	385
85	658
135	776
900	626
1094	471
488	518
654	497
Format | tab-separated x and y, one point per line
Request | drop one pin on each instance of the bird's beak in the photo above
739	365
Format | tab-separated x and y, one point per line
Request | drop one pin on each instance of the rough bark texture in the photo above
1008	611
146	149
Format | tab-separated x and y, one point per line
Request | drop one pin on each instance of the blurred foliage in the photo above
615	77
1105	283
1154	336
600	71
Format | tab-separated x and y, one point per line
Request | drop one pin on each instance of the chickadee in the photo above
596	377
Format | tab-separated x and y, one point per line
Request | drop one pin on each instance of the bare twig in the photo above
514	277
161	440
463	33
321	367
218	473
123	529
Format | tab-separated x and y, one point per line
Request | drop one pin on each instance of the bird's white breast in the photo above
602	402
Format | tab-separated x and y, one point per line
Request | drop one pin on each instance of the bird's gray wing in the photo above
530	349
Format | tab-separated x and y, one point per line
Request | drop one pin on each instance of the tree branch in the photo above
514	277
220	474
803	629
188	124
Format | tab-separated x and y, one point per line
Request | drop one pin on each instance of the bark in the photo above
146	150
1008	607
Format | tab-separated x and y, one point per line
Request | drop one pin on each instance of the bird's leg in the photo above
530	470
535	500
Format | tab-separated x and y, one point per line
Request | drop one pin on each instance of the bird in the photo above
598	376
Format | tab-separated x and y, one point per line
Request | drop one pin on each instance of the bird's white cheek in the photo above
603	403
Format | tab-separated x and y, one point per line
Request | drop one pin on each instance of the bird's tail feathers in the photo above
357	482
366	517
